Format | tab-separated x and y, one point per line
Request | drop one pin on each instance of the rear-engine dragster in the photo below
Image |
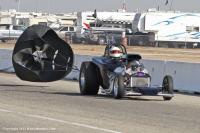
120	74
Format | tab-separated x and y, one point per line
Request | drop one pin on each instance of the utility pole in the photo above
48	6
170	8
124	6
18	5
158	5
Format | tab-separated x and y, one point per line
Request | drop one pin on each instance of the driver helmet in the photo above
115	52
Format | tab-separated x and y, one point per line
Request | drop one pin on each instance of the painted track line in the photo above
60	121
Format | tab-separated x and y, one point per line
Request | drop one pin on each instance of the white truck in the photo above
65	30
10	32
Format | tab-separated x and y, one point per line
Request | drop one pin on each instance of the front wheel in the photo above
167	87
118	87
88	80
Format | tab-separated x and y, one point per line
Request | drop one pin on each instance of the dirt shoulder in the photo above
168	54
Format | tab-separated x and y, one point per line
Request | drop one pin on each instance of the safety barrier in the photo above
186	76
6	60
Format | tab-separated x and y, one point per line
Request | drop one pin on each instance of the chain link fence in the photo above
130	40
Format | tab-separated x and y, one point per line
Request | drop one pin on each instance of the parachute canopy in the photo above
41	56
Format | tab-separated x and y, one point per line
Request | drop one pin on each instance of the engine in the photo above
137	75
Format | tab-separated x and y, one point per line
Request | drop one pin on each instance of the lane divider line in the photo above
60	121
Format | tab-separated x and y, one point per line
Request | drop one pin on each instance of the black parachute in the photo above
41	56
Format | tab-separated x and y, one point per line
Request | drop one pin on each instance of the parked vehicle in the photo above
64	30
10	32
173	29
91	27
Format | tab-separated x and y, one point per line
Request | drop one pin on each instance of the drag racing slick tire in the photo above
88	81
167	87
118	87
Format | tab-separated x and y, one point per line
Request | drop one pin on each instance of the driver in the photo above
115	52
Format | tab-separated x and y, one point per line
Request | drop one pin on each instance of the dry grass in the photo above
183	55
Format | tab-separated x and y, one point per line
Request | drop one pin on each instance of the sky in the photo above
64	6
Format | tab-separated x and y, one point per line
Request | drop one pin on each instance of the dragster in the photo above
120	74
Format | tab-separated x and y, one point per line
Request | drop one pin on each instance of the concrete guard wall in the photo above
186	76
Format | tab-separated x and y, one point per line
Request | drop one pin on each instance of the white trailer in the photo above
90	23
86	19
171	27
